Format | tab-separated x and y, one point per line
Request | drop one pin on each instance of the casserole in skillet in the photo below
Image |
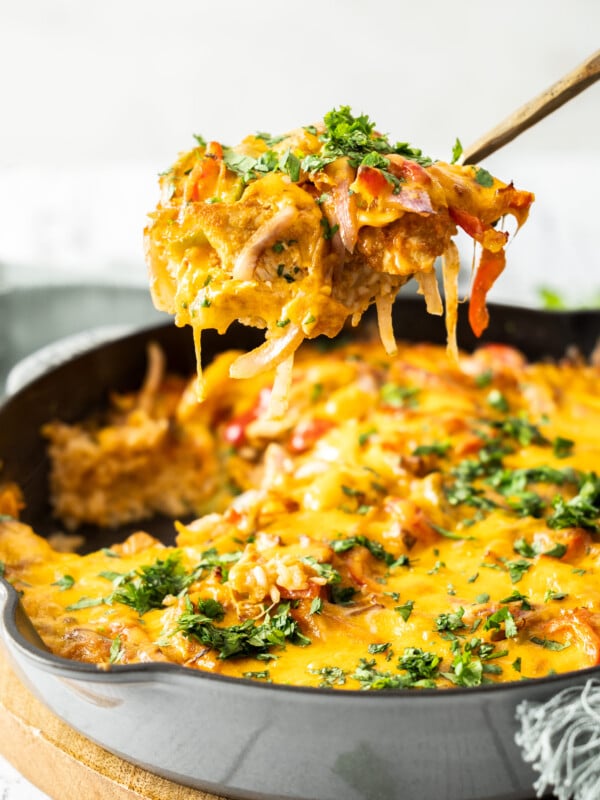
358	722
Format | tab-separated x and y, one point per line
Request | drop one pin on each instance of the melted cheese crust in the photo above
399	527
238	234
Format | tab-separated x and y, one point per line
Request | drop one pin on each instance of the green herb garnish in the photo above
245	639
64	583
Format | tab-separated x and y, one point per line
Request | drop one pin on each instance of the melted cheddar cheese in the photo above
411	522
299	232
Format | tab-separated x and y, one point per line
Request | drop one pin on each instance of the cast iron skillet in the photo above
249	740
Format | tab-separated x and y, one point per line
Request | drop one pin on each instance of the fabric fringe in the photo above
561	739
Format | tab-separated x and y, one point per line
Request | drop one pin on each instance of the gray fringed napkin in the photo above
561	739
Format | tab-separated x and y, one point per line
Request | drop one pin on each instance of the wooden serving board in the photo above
63	763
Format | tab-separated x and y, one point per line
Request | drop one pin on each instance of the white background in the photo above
97	98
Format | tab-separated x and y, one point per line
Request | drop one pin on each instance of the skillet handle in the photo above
15	619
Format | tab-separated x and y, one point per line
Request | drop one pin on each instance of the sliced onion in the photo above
269	355
345	212
409	199
450	269
384	322
245	263
154	375
278	402
428	287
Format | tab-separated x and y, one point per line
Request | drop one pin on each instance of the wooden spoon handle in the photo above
535	110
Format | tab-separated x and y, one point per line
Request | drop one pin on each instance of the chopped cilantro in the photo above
374	649
364	437
245	639
522	431
517	597
484	379
240	164
147	587
316	606
110	575
330	676
329	231
263	675
85	602
399	396
450	621
377	550
517	568
323	569
341	595
549	644
116	650
450	534
419	664
497	401
436	449
457	151
553	595
268	139
562	448
372	679
581	511
290	164
483	177
316	392
556	551
462	492
496	619
523	548
405	610
527	504
64	583
466	670
213	560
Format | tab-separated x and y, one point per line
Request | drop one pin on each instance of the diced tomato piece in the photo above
372	181
414	172
235	430
307	433
500	355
